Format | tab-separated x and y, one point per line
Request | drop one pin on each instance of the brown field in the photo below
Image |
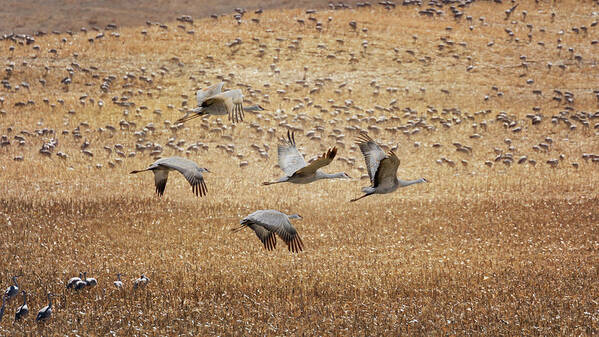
489	247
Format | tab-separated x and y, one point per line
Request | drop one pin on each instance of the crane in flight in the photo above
297	171
382	168
213	101
190	170
267	223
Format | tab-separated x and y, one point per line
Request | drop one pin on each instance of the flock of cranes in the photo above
75	283
382	168
266	224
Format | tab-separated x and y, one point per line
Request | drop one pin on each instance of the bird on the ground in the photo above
2	307
382	168
118	283
23	310
13	290
214	101
190	170
46	311
90	281
73	280
267	223
142	281
297	171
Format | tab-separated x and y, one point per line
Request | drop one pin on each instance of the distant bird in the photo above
142	281
267	223
118	283
46	311
90	281
211	101
296	169
190	170
382	169
3	306
13	290
73	281
23	310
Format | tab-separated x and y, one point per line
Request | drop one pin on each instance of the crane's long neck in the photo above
322	175
24	298
404	183
14	279
49	301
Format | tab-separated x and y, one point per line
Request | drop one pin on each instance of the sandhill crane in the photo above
296	169
13	290
213	101
118	283
267	223
46	311
142	281
23	310
190	170
3	306
382	169
73	281
91	281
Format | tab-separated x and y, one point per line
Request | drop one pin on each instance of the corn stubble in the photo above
489	246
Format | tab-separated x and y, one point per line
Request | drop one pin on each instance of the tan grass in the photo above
502	250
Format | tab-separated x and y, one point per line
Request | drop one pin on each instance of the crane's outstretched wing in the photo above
160	178
373	154
322	161
268	238
210	91
226	103
290	160
189	170
387	171
275	222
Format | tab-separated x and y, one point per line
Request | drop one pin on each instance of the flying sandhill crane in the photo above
23	310
214	101
73	281
13	290
46	311
296	169
190	170
382	169
267	223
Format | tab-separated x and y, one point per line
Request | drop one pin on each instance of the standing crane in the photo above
214	101
118	283
90	281
46	311
140	282
73	281
23	310
267	223
297	171
382	168
13	290
2	307
190	170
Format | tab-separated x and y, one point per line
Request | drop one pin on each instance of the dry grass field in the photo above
500	115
